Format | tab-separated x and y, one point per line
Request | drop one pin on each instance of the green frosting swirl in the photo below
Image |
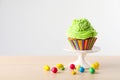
81	29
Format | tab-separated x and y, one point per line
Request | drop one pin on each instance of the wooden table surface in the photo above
31	68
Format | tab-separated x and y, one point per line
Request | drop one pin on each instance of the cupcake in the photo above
81	34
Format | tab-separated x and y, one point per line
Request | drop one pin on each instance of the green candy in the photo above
81	29
62	68
92	70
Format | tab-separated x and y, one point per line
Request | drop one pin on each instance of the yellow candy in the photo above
73	72
94	66
77	67
97	64
59	66
46	68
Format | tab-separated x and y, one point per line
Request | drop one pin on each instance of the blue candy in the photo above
81	69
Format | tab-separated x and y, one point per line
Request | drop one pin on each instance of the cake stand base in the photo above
81	61
81	56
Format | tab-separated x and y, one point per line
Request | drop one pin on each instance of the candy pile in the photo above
54	69
74	69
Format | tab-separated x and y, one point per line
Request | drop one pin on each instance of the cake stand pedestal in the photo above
81	56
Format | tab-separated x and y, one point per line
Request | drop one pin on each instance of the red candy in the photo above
72	66
54	70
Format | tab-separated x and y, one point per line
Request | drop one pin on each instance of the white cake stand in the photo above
81	56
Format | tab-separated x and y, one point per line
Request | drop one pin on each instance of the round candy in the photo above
62	68
77	67
94	66
97	64
59	66
46	68
92	70
73	72
81	69
72	66
54	70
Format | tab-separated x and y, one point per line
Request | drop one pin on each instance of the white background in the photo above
38	27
